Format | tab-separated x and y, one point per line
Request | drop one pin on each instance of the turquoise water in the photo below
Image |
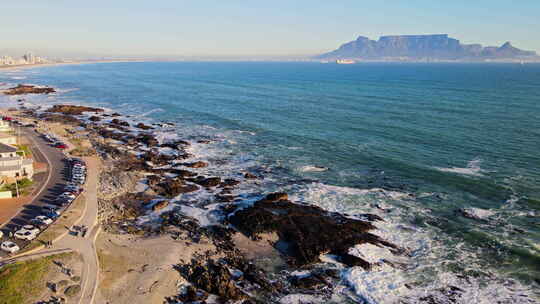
433	138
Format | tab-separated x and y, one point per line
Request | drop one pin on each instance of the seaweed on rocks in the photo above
73	109
305	232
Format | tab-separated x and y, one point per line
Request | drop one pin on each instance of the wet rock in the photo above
176	145
209	182
211	277
95	118
172	187
306	231
64	119
189	295
248	175
148	139
115	114
143	126
72	109
229	182
28	89
203	141
160	205
276	197
120	122
198	164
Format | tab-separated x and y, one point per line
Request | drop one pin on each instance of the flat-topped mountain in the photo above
422	46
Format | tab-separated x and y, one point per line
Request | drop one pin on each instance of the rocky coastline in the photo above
251	252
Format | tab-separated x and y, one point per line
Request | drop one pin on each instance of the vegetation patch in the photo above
24	281
24	186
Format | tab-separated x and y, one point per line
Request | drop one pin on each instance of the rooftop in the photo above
7	148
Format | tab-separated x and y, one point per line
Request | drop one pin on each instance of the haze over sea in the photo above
414	143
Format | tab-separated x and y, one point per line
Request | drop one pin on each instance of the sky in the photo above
252	28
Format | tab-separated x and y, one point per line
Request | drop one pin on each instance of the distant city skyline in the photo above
172	28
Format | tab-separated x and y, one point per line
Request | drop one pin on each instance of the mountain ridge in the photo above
437	46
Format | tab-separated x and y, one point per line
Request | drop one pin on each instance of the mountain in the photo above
422	47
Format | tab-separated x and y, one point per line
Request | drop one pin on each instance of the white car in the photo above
9	247
67	195
25	235
42	219
30	228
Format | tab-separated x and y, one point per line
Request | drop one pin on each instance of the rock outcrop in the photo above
305	232
72	109
28	89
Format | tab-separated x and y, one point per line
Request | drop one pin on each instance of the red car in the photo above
7	118
60	146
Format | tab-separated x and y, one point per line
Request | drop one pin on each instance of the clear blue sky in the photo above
234	27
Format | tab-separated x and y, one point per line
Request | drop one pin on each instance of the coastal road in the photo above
53	182
86	245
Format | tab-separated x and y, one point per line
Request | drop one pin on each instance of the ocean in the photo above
447	154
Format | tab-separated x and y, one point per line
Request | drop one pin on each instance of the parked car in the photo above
60	146
42	219
10	247
30	228
7	118
25	235
50	209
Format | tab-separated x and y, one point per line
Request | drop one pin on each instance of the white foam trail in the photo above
473	168
313	169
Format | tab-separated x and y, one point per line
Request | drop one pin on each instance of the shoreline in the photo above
44	65
144	194
113	142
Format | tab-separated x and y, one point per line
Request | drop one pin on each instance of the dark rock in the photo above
65	119
115	114
120	122
72	109
306	231
276	197
213	278
250	175
143	126
172	187
28	89
209	182
160	205
148	139
95	118
198	164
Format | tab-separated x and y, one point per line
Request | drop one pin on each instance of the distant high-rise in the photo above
29	58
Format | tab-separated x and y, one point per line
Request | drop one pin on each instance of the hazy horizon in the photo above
279	29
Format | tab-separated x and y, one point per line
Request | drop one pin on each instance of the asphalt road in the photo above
59	173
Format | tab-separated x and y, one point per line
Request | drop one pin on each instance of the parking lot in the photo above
64	183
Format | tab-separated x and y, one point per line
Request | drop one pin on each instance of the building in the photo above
8	139
14	166
5	126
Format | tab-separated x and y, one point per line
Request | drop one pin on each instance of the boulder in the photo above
143	126
120	122
209	182
95	118
305	232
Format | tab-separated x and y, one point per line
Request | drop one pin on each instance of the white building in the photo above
5	127
13	165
